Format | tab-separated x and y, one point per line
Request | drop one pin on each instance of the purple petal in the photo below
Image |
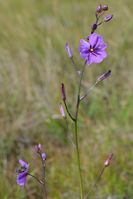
100	43
98	57
84	55
24	164
84	46
93	39
21	178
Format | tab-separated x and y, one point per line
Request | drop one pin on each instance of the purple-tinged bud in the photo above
63	92
104	76
99	9
43	155
105	7
62	111
93	28
108	18
68	50
38	148
109	159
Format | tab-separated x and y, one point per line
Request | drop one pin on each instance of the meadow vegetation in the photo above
33	63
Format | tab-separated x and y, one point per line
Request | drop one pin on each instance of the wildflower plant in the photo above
23	172
92	49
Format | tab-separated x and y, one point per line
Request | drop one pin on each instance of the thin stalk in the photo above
35	178
72	118
73	62
75	120
99	176
78	160
88	91
43	170
76	133
96	181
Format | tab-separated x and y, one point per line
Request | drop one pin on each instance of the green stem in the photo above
96	181
72	118
76	134
99	176
88	91
78	160
75	120
35	178
43	170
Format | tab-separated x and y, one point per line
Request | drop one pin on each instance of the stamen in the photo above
91	49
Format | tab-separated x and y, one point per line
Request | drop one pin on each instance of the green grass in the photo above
33	63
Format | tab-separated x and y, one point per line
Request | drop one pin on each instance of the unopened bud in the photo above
108	18
43	155
105	7
104	76
38	148
62	111
94	27
63	92
68	50
99	9
109	159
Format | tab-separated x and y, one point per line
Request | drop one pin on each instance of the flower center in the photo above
91	49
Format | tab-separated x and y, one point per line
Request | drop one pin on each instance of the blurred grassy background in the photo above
33	63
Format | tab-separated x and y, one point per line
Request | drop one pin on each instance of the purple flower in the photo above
93	50
43	155
22	173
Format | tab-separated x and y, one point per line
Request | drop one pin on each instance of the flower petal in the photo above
84	46
21	178
93	39
90	59
100	43
99	56
24	164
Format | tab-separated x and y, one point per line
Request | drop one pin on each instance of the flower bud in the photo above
38	148
63	92
105	7
43	155
108	18
109	159
68	50
62	111
93	28
99	9
104	76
